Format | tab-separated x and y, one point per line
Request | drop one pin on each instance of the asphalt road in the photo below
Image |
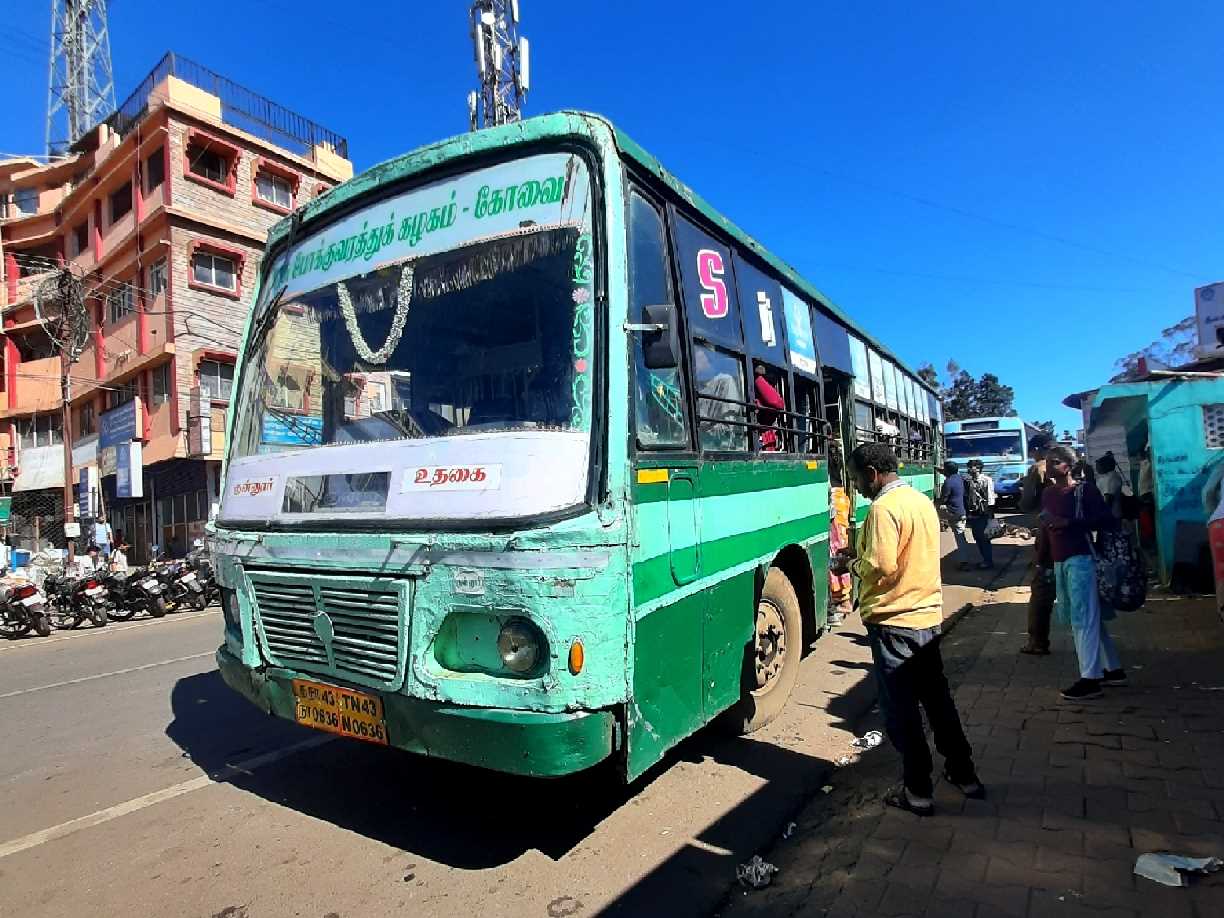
133	782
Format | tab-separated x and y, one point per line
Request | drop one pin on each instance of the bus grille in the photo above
350	628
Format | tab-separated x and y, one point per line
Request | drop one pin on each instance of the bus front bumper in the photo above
530	743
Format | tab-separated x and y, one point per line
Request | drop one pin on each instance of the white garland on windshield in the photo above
403	297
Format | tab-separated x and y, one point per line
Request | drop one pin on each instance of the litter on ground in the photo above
1171	869
756	874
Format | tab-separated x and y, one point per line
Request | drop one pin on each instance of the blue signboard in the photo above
129	470
84	496
118	425
292	430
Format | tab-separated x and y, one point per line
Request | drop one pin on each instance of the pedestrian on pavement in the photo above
103	537
1070	513
1041	588
900	598
952	500
119	557
979	499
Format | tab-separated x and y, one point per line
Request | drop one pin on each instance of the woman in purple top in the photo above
1070	512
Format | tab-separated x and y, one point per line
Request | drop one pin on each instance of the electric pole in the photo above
59	303
81	85
502	64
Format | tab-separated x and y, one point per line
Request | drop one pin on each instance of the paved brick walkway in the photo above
1077	791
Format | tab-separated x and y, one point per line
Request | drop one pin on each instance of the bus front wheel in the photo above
771	660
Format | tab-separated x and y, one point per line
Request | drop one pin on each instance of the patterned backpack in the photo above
1121	572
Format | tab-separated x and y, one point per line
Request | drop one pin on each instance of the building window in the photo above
86	422
214	270
120	302
1213	426
157	279
33	345
155	169
80	238
121	395
25	200
216	379
121	203
274	189
210	160
161	384
40	430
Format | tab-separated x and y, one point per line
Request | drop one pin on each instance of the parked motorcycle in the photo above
135	591
191	589
22	609
201	563
180	585
73	600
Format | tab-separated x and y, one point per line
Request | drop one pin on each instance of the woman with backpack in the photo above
1070	513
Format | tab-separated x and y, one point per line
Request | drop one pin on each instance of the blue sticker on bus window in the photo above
799	333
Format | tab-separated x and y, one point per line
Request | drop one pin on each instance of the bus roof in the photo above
556	126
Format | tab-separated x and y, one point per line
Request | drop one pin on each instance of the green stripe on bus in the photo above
652	578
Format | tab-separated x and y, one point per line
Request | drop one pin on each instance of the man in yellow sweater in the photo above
900	596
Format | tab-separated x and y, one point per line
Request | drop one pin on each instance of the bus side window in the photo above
659	400
770	413
863	423
722	418
808	416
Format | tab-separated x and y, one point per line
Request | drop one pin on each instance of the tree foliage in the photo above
1174	347
966	397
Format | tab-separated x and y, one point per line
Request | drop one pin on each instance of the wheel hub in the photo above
770	644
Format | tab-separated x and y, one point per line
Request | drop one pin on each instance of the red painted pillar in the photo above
137	188
168	308
97	230
142	305
10	275
145	387
99	352
166	182
175	426
12	360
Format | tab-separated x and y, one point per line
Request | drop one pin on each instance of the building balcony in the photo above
181	81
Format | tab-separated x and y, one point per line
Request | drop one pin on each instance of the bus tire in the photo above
771	660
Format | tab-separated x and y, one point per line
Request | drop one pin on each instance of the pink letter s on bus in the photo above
709	272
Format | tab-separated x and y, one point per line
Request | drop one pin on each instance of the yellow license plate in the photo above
340	710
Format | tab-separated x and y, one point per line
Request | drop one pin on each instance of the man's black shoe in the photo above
973	788
1083	690
1114	677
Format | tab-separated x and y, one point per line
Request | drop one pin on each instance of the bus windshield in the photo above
468	322
969	446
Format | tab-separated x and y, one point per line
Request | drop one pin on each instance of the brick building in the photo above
162	210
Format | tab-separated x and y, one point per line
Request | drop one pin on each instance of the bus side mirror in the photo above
660	337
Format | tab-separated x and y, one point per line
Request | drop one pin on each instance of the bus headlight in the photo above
521	645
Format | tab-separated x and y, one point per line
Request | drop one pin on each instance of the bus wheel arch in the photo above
794	562
772	655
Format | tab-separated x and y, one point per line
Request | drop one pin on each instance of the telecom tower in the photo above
81	88
501	62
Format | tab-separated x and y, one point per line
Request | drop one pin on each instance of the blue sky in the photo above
1032	192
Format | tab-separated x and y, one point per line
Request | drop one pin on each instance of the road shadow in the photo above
454	814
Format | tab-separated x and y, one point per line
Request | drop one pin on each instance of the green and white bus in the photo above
502	485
